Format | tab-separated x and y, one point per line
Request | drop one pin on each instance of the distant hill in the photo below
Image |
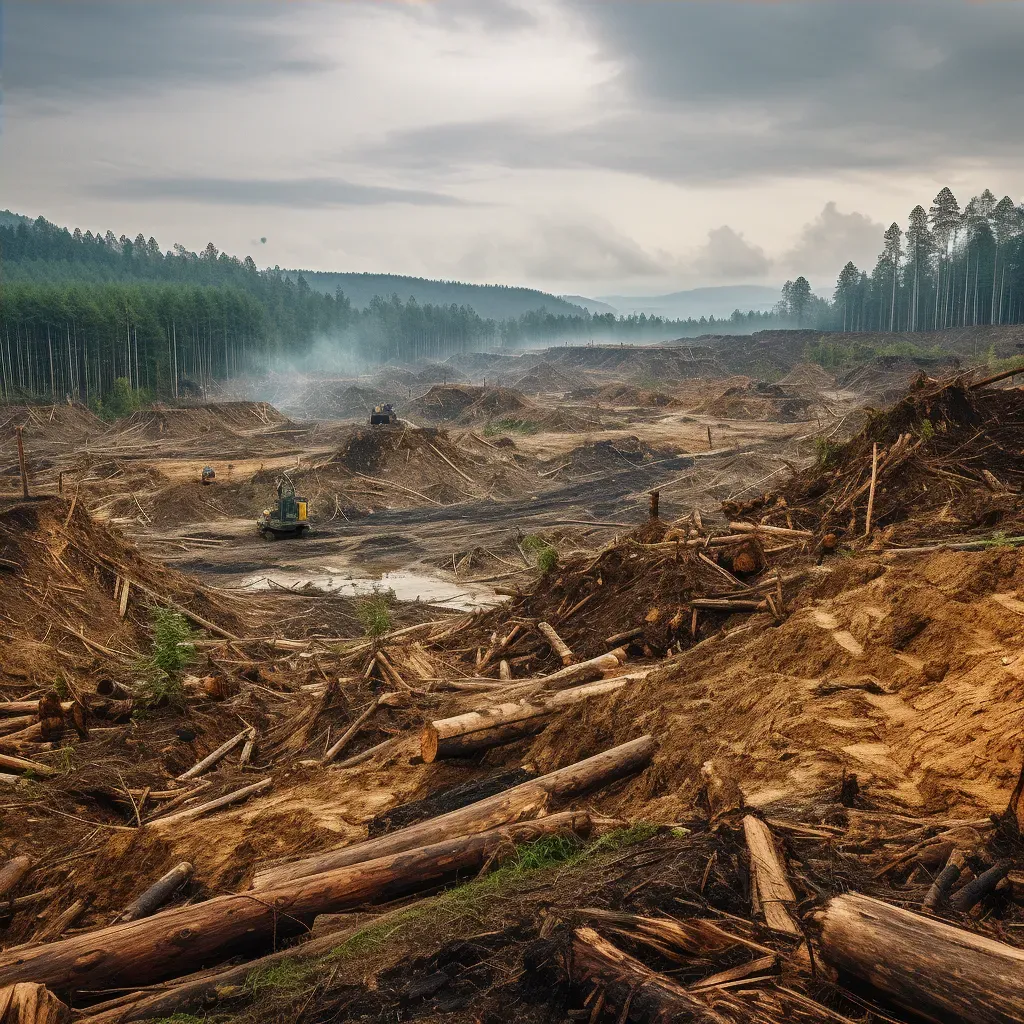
697	302
590	304
491	301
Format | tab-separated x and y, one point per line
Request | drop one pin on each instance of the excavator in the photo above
382	415
288	518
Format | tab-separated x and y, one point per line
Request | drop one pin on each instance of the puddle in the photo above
408	586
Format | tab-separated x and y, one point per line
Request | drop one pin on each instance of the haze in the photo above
589	148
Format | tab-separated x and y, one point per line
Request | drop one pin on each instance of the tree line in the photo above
952	267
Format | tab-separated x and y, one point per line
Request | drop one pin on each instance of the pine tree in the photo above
846	287
919	250
891	257
945	217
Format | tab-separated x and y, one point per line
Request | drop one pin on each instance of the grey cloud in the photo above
564	252
70	47
307	193
727	254
493	15
833	238
741	92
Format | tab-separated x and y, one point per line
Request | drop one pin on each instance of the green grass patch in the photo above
285	975
511	425
561	852
826	452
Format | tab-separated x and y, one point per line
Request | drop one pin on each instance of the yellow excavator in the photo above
288	518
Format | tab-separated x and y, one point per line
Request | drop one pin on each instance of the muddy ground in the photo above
865	706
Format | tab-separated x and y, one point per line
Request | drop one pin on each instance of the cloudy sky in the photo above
587	146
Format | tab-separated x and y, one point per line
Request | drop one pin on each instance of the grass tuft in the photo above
510	425
374	613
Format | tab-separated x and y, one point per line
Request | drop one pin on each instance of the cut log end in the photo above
428	744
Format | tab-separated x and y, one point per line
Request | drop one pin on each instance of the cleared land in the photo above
713	754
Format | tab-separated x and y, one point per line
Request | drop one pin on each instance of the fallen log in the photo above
558	645
12	873
215	756
640	992
181	939
923	965
214	805
30	1003
473	731
21	764
349	733
514	804
158	893
940	889
775	531
774	893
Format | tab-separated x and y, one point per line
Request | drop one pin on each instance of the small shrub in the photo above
926	430
547	559
826	452
374	613
172	636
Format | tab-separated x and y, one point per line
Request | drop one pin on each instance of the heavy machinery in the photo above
288	518
382	415
208	475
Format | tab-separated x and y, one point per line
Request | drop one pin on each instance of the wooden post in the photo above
655	495
871	492
710	445
21	464
774	893
60	482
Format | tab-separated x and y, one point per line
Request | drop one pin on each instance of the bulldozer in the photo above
288	518
208	475
383	415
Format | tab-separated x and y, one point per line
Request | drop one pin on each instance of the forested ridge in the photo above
79	311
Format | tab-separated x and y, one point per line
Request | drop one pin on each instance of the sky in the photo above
592	147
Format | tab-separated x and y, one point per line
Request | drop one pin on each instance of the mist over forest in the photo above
83	309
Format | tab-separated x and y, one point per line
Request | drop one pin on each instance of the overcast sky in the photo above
585	146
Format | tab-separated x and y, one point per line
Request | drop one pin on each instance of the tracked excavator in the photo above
288	518
383	415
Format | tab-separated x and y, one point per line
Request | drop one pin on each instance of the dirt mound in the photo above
422	463
604	457
630	396
949	462
546	377
49	422
163	421
906	676
808	377
61	579
475	406
756	400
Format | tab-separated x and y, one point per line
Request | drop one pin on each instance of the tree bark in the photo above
215	756
185	938
514	804
466	734
926	966
31	1003
158	893
641	993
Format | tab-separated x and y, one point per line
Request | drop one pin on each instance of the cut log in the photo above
12	873
774	531
215	805
21	764
349	733
558	645
871	490
491	727
181	939
216	756
641	993
514	804
30	1003
922	964
975	891
158	893
774	893
940	889
56	927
